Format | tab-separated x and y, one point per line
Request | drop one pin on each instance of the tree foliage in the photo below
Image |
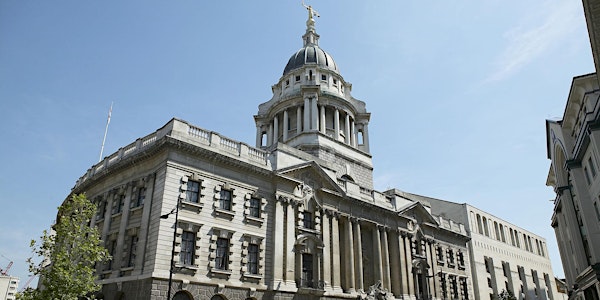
506	295
69	253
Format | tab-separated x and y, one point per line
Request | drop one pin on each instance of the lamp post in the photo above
166	216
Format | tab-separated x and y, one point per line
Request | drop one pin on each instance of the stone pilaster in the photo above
386	258
349	256
358	266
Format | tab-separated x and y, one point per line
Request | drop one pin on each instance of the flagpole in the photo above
105	131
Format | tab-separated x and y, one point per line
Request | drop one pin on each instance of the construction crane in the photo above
27	283
5	271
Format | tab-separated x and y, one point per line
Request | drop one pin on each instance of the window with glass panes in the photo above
307	220
225	198
222	259
307	270
192	193
255	207
141	196
253	258
132	251
118	205
188	248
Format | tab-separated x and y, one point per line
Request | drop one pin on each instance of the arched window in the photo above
217	297
182	295
485	227
479	226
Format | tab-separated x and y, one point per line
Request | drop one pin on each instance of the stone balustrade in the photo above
181	130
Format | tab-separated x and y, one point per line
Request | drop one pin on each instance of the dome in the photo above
311	55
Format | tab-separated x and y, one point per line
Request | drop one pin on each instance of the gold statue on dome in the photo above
311	11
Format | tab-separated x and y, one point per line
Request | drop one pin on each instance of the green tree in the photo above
68	253
506	295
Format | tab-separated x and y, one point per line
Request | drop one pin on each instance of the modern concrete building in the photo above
8	287
573	146
503	256
295	217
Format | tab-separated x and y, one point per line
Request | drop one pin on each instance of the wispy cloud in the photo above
525	43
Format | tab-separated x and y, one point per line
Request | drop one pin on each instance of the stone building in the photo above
574	147
295	217
503	256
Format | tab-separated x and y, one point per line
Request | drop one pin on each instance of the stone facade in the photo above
295	217
573	147
503	255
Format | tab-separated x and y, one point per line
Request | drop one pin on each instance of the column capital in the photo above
383	227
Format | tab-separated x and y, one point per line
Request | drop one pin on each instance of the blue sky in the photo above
458	91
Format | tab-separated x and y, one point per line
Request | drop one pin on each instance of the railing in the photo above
180	130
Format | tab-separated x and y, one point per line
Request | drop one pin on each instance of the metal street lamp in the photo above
166	216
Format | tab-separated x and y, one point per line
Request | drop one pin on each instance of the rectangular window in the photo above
297	77
592	167
132	251
307	220
307	270
225	202
454	286
188	248
112	249
255	207
323	77
440	254
587	175
101	210
192	194
253	258
141	196
450	257
118	205
505	269
461	258
222	259
597	210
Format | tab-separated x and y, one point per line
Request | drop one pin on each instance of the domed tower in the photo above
312	110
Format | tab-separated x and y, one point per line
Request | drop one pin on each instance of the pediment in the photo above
417	212
311	174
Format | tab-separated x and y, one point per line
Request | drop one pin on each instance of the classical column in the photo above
306	114
314	115
430	260
349	256
335	244
377	255
326	249
286	125
403	263
275	129
299	120
395	264
352	134
336	125
323	122
280	244
409	274
386	259
258	136
270	134
347	129
358	266
290	256
366	136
